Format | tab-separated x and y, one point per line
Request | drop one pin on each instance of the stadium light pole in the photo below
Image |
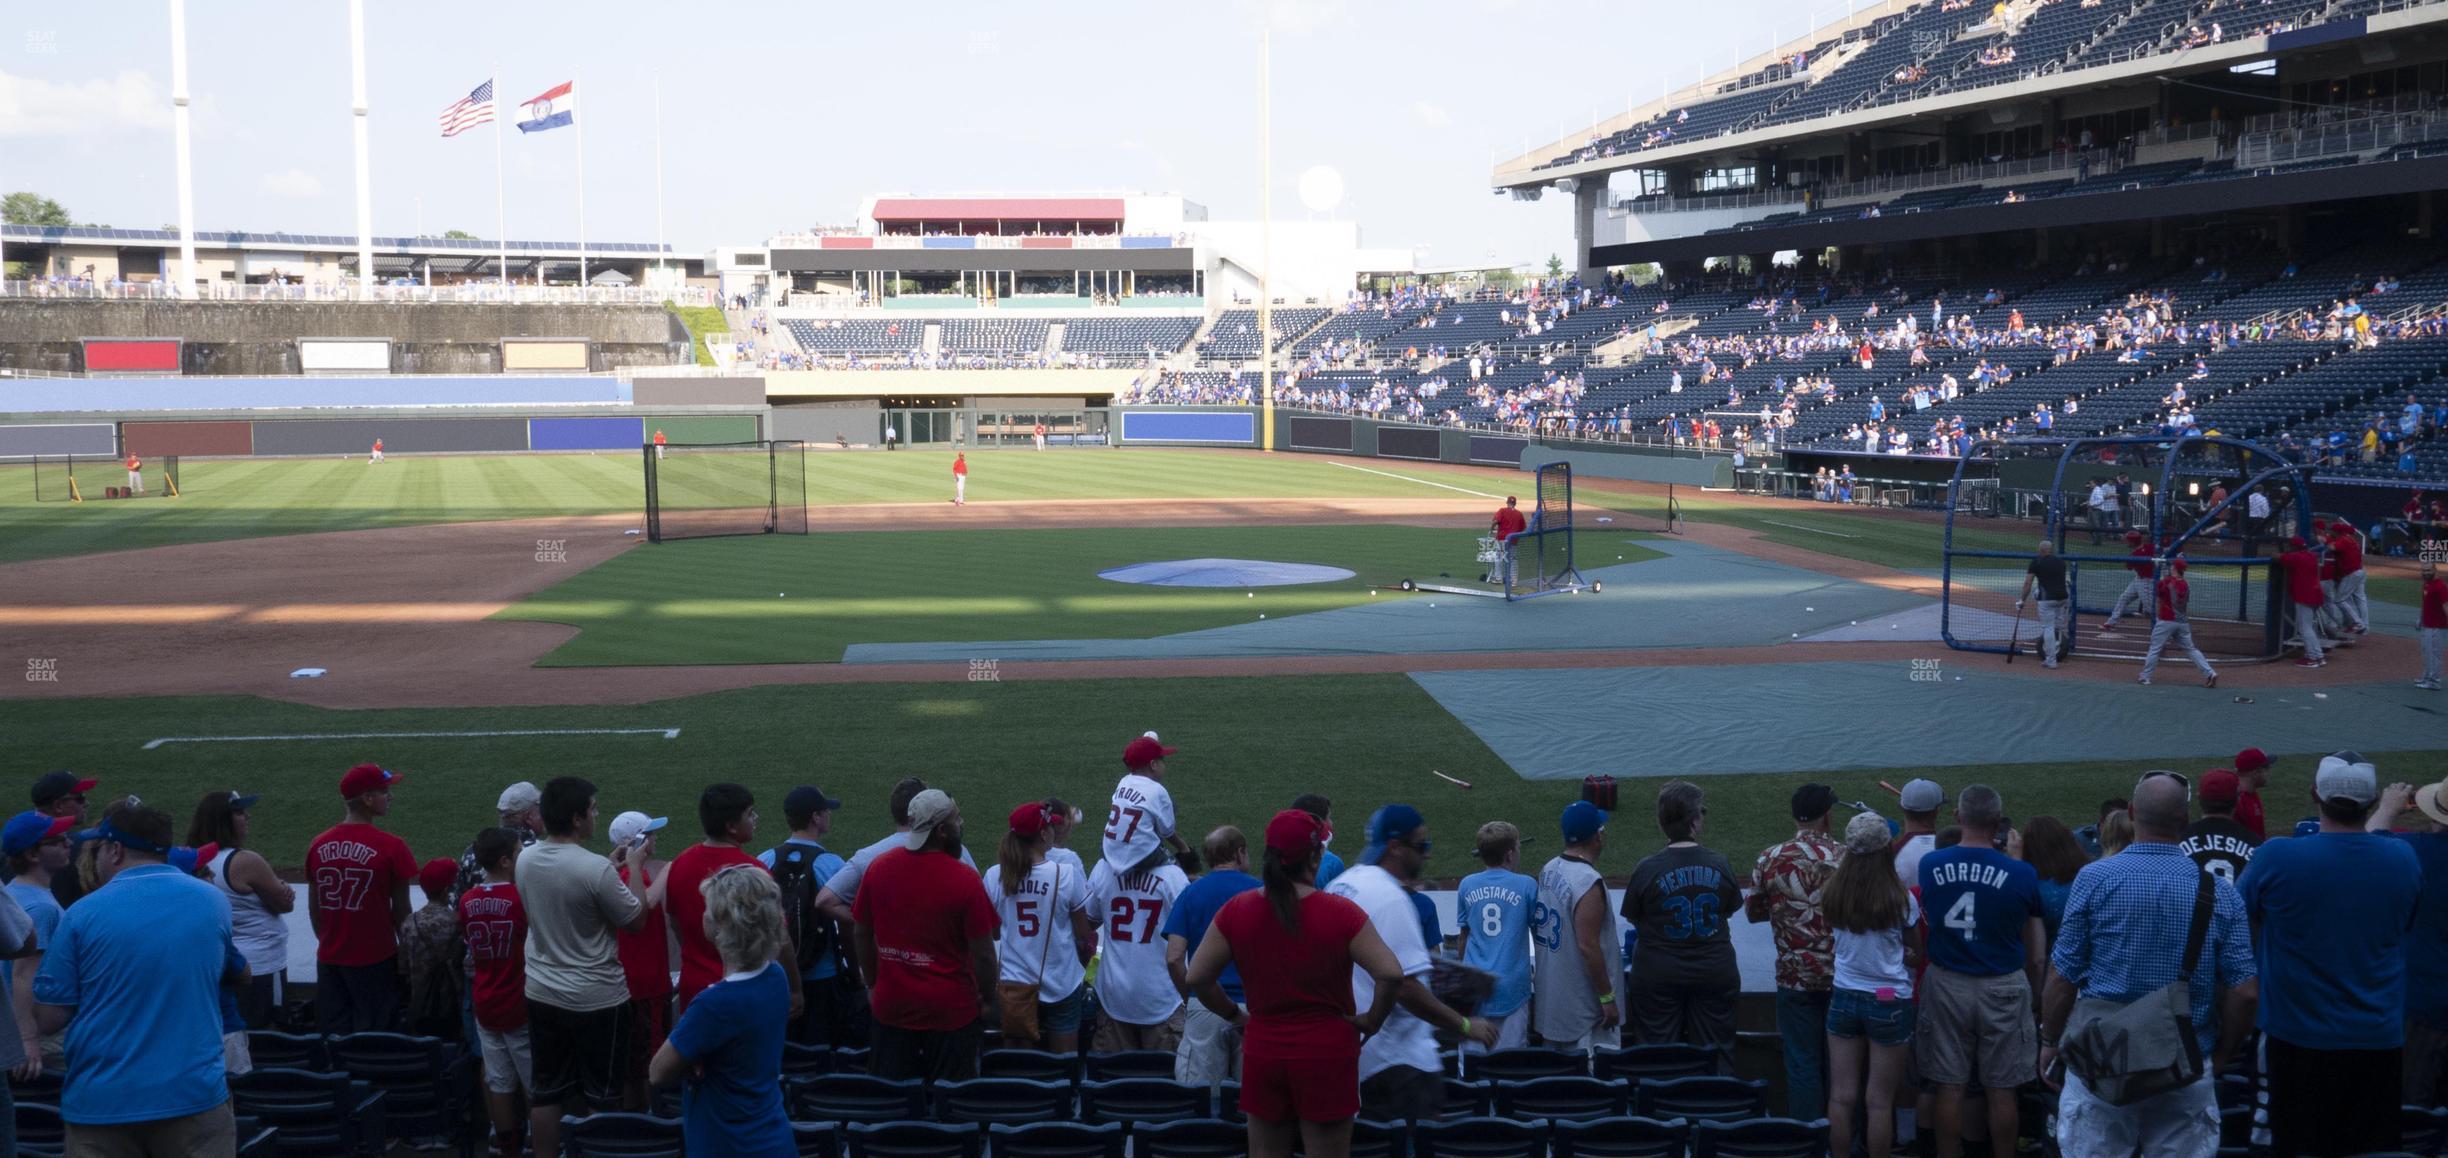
1266	242
365	164
186	150
662	249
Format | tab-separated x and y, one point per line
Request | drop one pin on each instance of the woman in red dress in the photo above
1295	948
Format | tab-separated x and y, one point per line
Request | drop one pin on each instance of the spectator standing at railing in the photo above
1787	886
1684	978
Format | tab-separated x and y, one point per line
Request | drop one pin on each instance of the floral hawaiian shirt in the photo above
1787	885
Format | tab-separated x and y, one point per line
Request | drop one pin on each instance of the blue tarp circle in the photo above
1224	573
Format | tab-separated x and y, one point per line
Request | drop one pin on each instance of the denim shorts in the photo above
1853	1013
1063	1016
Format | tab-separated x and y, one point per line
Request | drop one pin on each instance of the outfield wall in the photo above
1243	426
50	335
120	395
419	431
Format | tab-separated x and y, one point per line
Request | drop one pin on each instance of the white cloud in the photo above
34	107
1431	114
1295	17
292	183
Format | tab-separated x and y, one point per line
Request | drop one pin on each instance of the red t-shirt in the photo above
684	908
2303	577
925	908
2172	594
2248	812
2348	553
2435	603
645	955
2141	566
352	869
494	922
134	462
960	466
1510	522
1298	986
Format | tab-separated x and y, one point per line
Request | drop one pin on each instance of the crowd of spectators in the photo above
1932	973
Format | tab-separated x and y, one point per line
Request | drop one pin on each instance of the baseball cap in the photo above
106	831
1920	796
27	829
437	876
2428	798
54	785
518	797
1387	825
186	860
1029	819
1294	834
2133	536
2296	542
2178	563
926	810
242	801
2346	776
1582	820
366	778
2307	827
1867	832
2220	786
1145	751
805	801
629	826
2251	760
1812	801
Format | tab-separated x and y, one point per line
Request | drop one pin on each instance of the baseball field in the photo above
477	620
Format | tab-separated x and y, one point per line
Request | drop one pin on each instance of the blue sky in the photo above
780	115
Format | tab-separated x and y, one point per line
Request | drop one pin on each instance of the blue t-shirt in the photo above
1492	906
44	908
2427	948
822	869
1195	909
733	1029
2335	911
140	960
1330	866
1979	901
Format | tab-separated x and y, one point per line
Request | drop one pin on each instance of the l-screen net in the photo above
728	488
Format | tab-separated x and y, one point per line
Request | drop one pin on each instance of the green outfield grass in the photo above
803	598
1248	746
247	498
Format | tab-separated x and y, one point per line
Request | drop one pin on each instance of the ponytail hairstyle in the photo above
1017	856
1281	876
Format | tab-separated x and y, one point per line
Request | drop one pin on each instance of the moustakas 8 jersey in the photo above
1493	908
1133	986
1138	820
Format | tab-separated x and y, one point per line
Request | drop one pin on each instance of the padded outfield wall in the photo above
490	430
1302	431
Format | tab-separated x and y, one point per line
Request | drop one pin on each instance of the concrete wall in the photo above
352	430
261	337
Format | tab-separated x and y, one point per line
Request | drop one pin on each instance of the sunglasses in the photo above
2178	777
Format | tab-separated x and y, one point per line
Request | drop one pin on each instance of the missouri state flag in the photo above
553	108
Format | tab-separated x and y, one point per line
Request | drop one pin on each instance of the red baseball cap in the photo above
1029	819
2251	759
1294	834
2220	786
437	876
2296	542
2133	536
366	778
2178	563
1145	751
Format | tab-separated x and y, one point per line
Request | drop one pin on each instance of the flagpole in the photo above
580	125
661	263
365	168
1266	241
501	204
186	151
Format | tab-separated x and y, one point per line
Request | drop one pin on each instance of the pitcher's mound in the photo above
1224	573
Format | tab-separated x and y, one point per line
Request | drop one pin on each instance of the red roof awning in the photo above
998	209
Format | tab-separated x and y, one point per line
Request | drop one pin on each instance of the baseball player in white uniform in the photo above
1139	821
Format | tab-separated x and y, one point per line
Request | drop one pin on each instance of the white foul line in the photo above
666	733
1812	530
1408	478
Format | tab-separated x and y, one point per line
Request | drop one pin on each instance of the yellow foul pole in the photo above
1266	246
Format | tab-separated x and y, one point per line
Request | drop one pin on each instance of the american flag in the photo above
467	112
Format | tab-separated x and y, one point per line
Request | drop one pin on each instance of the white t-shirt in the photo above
1869	962
1138	820
1405	1040
1908	858
1035	943
844	882
1133	986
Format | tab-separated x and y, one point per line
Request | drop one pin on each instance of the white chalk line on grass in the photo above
1812	530
1421	481
666	733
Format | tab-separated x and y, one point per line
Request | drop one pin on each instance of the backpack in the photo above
817	939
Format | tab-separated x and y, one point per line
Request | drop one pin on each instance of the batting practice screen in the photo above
725	488
1542	556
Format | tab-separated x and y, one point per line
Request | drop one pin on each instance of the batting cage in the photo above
56	480
725	488
1537	561
2120	512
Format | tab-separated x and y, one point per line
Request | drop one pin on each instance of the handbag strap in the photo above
1045	950
2204	899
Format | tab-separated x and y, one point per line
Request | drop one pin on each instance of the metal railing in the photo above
981	241
86	289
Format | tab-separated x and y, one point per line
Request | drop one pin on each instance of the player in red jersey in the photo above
960	480
2434	624
357	895
494	923
2138	590
2302	571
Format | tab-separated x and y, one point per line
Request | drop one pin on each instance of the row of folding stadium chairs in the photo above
1133	336
43	1133
642	1136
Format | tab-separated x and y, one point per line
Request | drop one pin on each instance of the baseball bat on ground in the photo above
1448	779
2014	639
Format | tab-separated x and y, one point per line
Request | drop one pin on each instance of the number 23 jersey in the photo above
1679	899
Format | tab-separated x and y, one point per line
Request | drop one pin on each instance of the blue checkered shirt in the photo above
2124	932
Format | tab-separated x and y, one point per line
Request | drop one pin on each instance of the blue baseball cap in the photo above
1583	820
1387	825
27	829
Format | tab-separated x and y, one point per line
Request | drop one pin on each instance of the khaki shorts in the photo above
1977	1021
1115	1036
